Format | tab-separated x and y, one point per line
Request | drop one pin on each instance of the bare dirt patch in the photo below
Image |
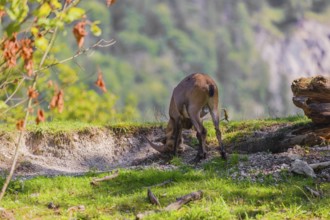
102	149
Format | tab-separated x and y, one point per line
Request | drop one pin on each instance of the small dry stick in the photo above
226	117
316	166
183	200
175	205
76	208
144	214
313	192
152	198
95	181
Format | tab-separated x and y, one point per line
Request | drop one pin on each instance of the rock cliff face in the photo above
303	52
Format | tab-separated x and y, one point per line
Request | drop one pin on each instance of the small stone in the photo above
301	167
51	205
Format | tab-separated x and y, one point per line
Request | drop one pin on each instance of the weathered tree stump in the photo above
313	96
283	138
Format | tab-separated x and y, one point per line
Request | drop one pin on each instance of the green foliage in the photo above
158	43
40	21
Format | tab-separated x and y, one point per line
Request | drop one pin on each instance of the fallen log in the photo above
282	139
96	181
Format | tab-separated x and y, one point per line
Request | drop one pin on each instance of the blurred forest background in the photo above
253	48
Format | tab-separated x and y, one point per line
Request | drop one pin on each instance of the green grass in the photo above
235	130
125	196
55	127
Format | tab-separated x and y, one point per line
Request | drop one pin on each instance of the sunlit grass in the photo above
234	130
125	196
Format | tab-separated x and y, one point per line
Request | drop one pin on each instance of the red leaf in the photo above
60	101
10	50
20	125
28	65
79	32
32	93
2	13
110	2
40	116
57	101
99	82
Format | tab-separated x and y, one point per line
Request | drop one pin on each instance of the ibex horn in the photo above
159	148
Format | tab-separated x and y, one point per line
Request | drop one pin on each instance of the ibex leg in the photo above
216	121
201	135
177	136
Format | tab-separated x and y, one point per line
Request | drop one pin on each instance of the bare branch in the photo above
17	88
14	106
101	43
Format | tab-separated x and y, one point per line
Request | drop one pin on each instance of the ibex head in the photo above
191	99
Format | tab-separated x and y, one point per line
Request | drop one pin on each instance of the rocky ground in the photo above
102	150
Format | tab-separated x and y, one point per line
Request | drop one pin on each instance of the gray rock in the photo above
294	156
301	167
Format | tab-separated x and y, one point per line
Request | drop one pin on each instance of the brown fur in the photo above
189	99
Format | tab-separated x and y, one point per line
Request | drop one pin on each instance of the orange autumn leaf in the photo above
10	50
20	125
32	93
99	82
28	65
40	116
110	2
27	50
79	32
2	13
57	101
27	54
53	102
60	101
68	1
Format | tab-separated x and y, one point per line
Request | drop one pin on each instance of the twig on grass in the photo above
152	198
96	181
183	200
175	205
313	192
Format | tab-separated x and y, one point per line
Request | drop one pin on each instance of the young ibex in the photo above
191	99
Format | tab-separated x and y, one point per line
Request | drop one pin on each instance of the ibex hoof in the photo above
199	157
223	155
